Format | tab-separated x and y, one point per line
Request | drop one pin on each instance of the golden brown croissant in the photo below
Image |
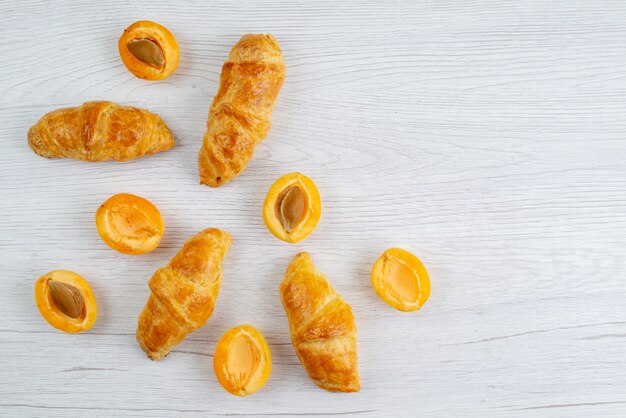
183	293
322	326
239	117
98	131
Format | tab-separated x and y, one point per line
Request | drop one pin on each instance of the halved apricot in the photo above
66	301
130	224
149	50
242	360
401	280
292	207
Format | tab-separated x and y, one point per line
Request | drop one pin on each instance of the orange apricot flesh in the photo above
149	50
130	224
292	207
401	280
66	301
242	361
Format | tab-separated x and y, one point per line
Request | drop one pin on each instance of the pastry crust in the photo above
239	117
99	131
183	293
323	331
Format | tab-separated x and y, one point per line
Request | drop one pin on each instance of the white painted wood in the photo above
488	137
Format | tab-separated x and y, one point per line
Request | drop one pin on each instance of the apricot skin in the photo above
161	36
248	343
401	280
141	220
312	208
53	315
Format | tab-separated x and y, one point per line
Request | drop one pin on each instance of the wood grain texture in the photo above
488	137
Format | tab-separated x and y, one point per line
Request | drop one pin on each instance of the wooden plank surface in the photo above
488	137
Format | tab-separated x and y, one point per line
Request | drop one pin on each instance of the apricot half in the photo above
292	207
129	224
149	50
66	301
401	280
242	360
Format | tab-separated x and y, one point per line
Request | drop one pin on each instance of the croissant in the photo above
239	117
322	327
98	131
183	293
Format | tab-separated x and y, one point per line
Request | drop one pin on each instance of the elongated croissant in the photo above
239	117
98	131
322	326
183	293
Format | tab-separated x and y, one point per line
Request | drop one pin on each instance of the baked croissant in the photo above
322	327
239	117
183	293
98	131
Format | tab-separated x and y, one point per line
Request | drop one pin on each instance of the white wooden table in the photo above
488	137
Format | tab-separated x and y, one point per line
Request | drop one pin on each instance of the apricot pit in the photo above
401	280
242	360
66	301
147	51
292	207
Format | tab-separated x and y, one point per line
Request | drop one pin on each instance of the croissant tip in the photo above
339	387
303	254
210	181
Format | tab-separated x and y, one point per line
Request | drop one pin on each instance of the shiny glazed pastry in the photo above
323	331
292	207
66	301
149	50
242	361
239	117
183	293
130	224
99	131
